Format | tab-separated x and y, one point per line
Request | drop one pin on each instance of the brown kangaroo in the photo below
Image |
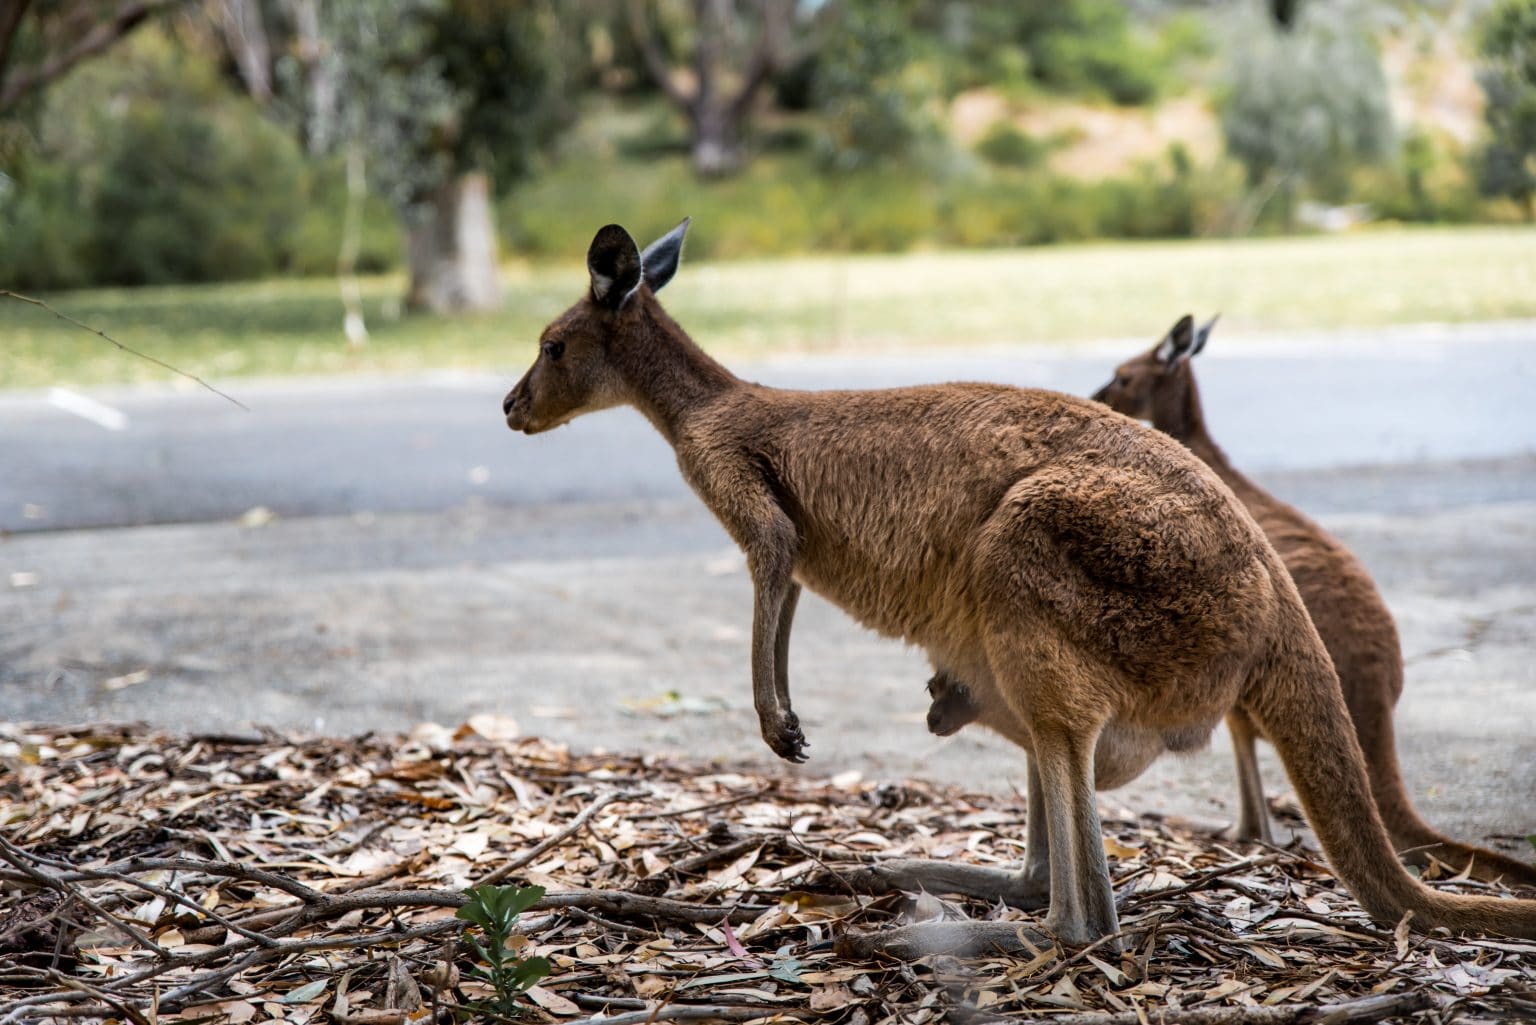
1104	596
1348	611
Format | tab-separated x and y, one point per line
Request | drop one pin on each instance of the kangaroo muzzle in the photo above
516	406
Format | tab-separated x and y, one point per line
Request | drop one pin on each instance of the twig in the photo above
17	857
693	1012
713	806
125	348
1205	879
554	840
1366	1010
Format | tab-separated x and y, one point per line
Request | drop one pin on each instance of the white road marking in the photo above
97	413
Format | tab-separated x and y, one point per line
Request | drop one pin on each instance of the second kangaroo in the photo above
1104	596
1350	615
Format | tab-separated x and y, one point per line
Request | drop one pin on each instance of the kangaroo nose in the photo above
506	403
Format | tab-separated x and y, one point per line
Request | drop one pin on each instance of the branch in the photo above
690	1012
10	25
1366	1010
18	858
554	840
655	60
120	345
765	55
127	18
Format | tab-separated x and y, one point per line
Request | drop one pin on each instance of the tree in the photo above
1306	104
42	41
873	107
1508	77
436	98
735	49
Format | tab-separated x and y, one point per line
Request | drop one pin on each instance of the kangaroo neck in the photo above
668	376
1180	415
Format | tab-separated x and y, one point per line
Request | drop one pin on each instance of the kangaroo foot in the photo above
958	939
783	734
913	874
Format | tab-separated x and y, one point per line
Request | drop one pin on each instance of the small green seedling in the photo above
495	909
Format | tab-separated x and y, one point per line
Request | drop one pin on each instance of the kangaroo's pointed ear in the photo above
661	257
1176	342
613	260
1203	334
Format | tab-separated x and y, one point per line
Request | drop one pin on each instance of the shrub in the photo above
1005	145
42	235
193	196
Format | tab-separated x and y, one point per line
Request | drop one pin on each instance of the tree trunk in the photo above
451	249
716	143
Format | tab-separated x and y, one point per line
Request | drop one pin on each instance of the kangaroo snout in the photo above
515	406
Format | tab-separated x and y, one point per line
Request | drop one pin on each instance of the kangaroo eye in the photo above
554	350
1122	380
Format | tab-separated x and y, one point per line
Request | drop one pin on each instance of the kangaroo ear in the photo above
1176	342
613	260
1203	334
661	257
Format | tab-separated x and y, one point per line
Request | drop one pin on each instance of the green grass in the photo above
822	304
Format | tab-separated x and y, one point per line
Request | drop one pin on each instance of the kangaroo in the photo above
1350	615
1104	596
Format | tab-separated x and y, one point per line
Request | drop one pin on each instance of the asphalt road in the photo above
423	563
430	443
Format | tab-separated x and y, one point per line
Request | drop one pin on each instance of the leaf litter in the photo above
150	877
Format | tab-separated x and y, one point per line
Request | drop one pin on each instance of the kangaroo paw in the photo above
784	737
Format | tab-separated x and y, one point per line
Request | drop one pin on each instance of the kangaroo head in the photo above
573	372
1156	377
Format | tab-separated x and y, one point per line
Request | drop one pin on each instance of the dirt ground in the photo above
345	624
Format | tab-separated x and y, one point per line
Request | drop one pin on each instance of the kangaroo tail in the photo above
1296	700
1418	842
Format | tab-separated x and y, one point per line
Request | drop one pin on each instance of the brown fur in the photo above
1345	606
1099	589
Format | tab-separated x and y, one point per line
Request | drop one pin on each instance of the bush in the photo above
192	196
147	169
1006	146
1507	163
42	236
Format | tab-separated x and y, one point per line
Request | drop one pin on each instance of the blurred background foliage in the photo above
209	142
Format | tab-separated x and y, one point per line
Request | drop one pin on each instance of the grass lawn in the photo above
832	304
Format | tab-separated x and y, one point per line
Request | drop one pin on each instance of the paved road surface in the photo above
427	564
425	444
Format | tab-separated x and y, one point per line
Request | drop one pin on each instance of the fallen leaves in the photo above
313	879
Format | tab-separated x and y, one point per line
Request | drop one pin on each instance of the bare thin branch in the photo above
655	60
124	20
125	348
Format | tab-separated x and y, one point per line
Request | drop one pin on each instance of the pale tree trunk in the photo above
313	52
246	36
451	249
352	324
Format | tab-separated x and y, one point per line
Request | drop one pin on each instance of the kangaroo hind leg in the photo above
1065	709
1253	813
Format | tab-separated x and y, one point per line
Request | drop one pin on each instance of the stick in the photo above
554	840
17	857
1366	1010
691	1012
131	351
